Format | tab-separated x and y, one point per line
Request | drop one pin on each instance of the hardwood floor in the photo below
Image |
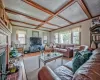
33	54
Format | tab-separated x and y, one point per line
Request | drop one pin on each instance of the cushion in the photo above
62	46
69	65
58	45
90	70
63	50
86	55
77	53
78	60
64	73
70	45
96	51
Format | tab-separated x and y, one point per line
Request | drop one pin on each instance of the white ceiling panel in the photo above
93	6
23	7
50	26
59	21
74	13
22	18
45	29
22	24
52	5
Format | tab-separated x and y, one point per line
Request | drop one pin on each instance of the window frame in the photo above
71	38
44	34
17	37
79	39
56	38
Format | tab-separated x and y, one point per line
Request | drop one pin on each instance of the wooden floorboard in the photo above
34	54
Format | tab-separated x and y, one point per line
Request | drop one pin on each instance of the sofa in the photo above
65	49
90	70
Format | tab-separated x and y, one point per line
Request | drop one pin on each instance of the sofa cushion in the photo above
69	65
70	45
86	55
89	70
56	49
63	50
64	73
58	46
62	46
78	60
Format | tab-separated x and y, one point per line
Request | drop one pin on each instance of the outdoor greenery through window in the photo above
21	35
65	37
45	38
71	36
56	37
76	36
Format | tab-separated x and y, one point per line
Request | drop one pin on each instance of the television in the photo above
35	41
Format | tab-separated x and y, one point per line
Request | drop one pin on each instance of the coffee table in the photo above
45	58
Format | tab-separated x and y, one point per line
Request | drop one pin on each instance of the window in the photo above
76	36
71	36
45	38
56	37
65	37
21	36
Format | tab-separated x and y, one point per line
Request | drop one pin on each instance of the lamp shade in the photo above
93	46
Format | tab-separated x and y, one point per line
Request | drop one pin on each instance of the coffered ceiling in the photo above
50	14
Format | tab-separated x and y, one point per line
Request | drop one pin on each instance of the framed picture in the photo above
35	34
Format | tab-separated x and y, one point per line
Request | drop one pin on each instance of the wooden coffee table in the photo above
45	58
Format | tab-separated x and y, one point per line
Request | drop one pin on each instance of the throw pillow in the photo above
77	53
78	60
86	55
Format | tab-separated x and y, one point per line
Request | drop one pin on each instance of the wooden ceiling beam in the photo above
47	28
22	22
27	27
53	24
85	9
76	23
48	11
65	6
30	2
65	19
21	26
19	13
59	11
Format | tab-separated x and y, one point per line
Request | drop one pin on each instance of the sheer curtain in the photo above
76	35
65	37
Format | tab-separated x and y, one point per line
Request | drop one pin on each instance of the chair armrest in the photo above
47	74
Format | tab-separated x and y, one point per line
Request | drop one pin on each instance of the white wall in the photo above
28	34
85	33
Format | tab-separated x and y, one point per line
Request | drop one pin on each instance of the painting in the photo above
35	34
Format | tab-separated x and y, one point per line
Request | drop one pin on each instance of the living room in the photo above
49	40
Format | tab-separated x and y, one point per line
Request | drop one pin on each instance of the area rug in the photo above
32	66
